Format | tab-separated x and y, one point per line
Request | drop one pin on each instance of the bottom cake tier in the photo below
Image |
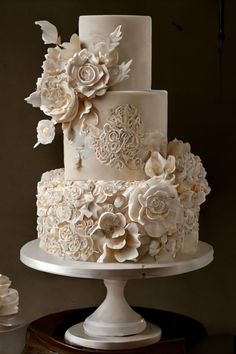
114	221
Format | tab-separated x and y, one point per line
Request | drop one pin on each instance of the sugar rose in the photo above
86	74
155	205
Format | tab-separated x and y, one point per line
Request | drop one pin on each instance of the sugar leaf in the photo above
120	73
115	38
34	99
50	34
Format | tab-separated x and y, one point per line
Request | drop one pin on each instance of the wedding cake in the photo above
125	193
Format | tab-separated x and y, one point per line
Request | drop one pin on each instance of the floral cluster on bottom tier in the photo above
116	221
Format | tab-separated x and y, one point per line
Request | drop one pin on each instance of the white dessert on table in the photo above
9	298
12	327
125	194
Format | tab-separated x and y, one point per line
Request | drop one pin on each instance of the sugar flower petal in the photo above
50	34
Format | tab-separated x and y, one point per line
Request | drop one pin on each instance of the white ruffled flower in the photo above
49	242
45	132
74	243
79	248
54	64
157	165
86	74
102	50
190	175
116	240
53	175
155	205
58	99
63	213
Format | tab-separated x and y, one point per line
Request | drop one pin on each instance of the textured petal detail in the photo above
142	215
89	121
126	254
121	221
118	231
154	229
107	255
106	219
96	210
86	108
117	243
74	45
133	229
134	204
98	239
155	164
121	73
45	132
170	164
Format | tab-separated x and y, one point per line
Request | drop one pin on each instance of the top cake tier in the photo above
136	44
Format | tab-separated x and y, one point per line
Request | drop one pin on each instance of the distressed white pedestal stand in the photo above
114	325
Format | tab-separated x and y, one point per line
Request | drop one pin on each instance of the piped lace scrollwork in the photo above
120	143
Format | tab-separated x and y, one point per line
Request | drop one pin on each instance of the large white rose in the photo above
86	74
155	205
58	99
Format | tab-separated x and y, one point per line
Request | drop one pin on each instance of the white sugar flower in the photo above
58	99
45	132
63	213
116	240
155	205
190	175
86	74
157	165
73	76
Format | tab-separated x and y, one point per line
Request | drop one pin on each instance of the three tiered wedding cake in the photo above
125	194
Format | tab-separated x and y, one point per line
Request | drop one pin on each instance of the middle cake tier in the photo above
114	138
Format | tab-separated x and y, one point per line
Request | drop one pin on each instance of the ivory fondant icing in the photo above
136	44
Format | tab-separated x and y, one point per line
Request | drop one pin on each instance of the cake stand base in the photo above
76	335
114	324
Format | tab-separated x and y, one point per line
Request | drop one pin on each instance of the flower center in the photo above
45	131
86	74
158	204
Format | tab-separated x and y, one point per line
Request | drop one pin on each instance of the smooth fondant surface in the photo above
136	44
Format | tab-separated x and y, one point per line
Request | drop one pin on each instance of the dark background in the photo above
201	86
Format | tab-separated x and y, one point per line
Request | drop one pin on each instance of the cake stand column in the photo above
114	325
114	317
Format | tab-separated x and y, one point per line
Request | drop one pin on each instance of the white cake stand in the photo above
114	325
